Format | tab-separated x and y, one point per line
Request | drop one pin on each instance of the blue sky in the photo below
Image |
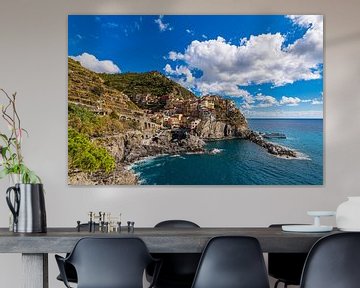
271	66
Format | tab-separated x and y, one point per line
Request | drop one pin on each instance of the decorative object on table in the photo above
146	102
27	204
100	222
316	227
131	226
348	215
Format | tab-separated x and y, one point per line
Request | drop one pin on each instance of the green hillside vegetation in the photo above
86	155
150	83
93	125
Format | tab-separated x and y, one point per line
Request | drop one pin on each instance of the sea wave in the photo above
215	151
299	156
177	156
144	161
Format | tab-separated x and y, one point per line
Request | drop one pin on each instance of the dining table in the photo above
35	247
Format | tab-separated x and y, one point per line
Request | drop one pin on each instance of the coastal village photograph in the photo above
195	100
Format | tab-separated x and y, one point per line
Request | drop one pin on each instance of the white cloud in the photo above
187	79
175	56
314	101
258	59
99	66
317	102
311	41
265	101
290	101
162	25
191	32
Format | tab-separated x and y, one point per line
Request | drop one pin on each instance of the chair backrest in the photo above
232	262
110	262
177	268
176	224
333	262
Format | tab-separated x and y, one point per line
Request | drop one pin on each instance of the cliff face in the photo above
224	120
212	129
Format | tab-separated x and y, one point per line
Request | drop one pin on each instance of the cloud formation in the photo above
99	66
317	102
162	25
290	101
258	59
265	101
181	71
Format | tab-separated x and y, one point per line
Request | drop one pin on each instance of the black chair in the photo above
108	263
70	271
232	262
178	269
333	262
286	267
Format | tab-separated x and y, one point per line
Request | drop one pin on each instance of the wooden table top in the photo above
158	240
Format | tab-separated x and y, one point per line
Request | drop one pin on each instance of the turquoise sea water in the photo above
242	162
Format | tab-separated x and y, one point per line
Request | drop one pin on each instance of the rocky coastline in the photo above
127	117
131	148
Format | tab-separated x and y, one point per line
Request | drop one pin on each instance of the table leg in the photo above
35	270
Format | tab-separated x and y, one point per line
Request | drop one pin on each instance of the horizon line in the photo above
284	118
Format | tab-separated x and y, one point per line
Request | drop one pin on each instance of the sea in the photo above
241	162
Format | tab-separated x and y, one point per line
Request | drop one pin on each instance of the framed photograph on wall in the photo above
195	99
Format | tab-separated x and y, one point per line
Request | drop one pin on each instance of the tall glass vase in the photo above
13	179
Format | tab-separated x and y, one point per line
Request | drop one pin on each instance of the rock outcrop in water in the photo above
272	148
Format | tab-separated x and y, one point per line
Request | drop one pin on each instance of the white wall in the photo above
33	62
